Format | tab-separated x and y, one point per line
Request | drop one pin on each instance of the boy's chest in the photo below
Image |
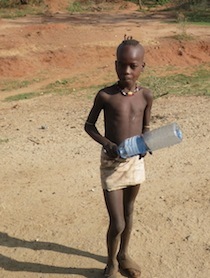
127	106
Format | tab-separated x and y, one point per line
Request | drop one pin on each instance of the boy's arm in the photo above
90	127
147	112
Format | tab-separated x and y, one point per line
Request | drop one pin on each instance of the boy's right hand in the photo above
111	150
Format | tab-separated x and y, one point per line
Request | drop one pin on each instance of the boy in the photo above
126	107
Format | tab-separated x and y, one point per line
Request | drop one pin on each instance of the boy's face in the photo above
129	64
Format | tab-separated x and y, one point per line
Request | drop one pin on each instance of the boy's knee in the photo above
117	227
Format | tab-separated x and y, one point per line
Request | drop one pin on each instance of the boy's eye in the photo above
133	66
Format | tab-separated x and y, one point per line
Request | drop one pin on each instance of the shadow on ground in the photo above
14	265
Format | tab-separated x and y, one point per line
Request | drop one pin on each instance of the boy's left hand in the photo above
144	154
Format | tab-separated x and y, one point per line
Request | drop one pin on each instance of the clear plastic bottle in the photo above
163	137
132	146
159	138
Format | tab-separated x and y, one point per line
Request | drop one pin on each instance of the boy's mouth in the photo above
126	78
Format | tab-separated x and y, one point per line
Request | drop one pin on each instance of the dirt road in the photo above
53	217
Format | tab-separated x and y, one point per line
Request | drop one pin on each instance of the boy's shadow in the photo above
14	265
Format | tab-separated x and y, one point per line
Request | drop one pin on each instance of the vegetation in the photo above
17	8
76	7
194	10
176	84
16	84
179	84
23	96
16	3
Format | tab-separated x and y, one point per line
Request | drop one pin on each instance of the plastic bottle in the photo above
163	137
132	146
159	138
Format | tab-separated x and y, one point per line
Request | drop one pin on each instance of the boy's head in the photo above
129	41
130	61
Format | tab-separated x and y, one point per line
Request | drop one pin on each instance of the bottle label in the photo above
132	146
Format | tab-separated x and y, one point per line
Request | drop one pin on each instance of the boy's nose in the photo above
127	70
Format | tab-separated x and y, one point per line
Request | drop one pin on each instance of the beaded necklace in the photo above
129	93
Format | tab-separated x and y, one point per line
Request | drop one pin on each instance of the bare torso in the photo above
123	115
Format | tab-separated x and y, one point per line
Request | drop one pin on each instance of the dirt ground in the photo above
53	217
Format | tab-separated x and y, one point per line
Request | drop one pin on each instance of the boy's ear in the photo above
143	66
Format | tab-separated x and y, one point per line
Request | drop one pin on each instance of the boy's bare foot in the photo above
129	267
111	270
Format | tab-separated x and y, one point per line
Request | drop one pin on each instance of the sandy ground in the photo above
53	217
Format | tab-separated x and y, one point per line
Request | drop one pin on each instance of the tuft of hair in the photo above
128	40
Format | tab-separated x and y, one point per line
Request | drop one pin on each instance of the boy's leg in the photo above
129	197
115	207
125	261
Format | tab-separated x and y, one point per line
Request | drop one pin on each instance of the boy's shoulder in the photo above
108	90
144	89
147	93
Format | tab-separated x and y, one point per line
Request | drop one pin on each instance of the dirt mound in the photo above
81	42
178	53
168	52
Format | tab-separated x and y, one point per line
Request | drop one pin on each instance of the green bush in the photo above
8	3
15	3
162	2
